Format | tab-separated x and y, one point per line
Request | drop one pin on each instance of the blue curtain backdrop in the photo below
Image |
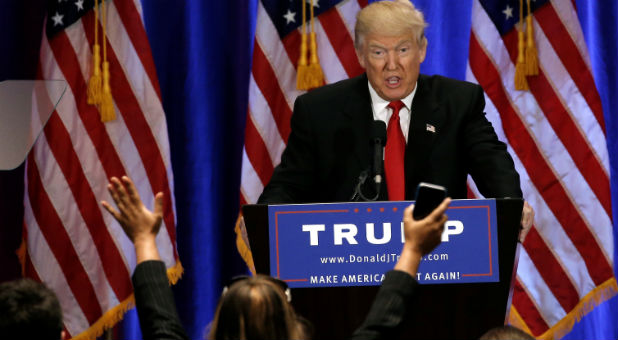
202	51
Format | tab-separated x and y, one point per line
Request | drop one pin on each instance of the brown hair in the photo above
390	18
29	310
255	308
507	333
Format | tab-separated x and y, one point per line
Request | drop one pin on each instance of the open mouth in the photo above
393	82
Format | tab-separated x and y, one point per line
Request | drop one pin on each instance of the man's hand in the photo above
140	224
527	218
421	237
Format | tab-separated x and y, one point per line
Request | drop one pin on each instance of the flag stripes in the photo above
555	133
73	245
524	145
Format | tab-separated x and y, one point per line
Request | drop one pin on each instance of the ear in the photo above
423	52
360	56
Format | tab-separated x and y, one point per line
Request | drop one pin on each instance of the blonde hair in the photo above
391	18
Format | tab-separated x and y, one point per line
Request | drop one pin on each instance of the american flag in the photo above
556	135
73	245
272	83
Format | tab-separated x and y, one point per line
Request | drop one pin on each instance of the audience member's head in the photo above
256	308
29	310
506	333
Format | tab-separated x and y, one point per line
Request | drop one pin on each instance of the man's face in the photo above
392	64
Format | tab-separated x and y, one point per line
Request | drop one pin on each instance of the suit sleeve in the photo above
389	307
156	308
489	162
294	178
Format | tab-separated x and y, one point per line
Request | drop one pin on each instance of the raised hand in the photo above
140	224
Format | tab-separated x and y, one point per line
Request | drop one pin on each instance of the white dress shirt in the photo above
382	112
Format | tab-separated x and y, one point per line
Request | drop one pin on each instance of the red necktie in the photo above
393	155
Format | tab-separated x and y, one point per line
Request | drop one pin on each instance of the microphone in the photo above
378	139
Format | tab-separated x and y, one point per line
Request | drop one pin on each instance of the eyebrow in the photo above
403	42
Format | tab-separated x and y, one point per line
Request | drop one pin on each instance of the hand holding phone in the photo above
428	197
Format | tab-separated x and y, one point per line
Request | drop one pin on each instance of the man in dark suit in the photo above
437	131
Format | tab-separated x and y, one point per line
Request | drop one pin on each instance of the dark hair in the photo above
507	333
255	308
29	310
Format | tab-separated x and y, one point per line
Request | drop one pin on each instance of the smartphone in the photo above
428	197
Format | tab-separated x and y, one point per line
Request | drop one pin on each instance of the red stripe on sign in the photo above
552	271
257	152
61	145
59	242
528	311
132	21
339	37
266	81
567	130
562	42
140	131
545	180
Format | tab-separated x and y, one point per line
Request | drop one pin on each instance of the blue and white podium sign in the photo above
355	244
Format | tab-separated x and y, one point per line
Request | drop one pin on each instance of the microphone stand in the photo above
358	192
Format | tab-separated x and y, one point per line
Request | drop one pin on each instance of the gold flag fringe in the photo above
532	63
302	68
316	76
309	75
106	108
600	294
521	83
94	83
116	314
242	243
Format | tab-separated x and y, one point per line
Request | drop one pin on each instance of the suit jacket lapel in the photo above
360	116
425	124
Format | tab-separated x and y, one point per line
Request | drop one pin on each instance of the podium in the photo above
439	311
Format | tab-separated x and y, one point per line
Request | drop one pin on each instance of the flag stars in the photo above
508	12
57	19
290	17
315	3
80	5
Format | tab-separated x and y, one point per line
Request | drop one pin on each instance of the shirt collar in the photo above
379	104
